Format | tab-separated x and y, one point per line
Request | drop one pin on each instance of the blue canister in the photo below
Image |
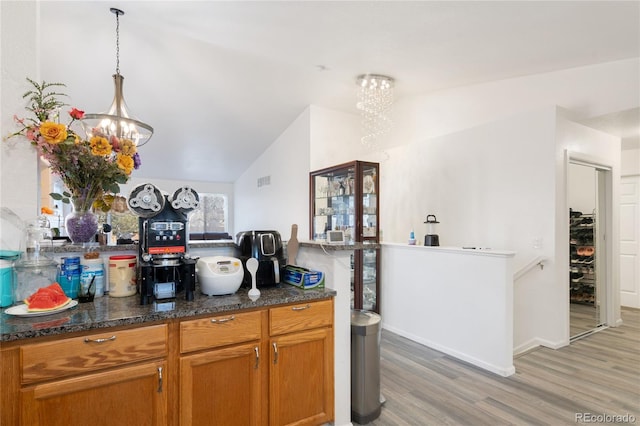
6	283
69	276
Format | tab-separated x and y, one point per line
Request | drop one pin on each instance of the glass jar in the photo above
32	272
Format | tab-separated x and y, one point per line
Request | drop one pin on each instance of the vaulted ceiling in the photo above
220	80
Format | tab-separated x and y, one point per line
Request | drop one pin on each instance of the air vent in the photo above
264	181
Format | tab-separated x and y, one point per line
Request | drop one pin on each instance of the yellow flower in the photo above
100	146
53	133
127	147
125	163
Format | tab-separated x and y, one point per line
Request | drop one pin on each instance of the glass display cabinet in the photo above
344	206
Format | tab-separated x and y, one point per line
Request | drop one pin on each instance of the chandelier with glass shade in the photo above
117	121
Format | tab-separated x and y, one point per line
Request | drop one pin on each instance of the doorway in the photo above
587	195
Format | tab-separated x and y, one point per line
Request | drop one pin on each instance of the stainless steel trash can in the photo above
365	366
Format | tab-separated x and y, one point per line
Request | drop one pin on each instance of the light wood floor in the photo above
599	374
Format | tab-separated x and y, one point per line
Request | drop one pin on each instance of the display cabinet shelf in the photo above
346	198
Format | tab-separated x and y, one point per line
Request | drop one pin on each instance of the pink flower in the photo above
31	135
115	142
76	114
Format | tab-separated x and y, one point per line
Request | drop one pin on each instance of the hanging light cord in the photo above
117	12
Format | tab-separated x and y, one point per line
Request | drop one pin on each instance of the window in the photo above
211	216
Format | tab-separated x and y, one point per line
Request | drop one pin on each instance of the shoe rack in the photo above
582	277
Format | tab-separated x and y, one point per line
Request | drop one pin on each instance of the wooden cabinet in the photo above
223	384
107	378
225	378
125	396
301	364
266	366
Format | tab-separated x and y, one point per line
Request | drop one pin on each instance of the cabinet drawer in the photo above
69	356
220	330
302	316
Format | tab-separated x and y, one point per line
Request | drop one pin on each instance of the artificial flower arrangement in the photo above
93	169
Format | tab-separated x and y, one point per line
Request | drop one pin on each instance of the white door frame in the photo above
605	202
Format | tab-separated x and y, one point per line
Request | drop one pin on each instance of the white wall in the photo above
630	162
587	91
19	59
582	188
285	200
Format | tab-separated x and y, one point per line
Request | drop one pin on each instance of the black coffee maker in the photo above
164	265
266	247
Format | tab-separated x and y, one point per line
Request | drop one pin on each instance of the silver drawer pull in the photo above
223	320
257	357
301	308
87	340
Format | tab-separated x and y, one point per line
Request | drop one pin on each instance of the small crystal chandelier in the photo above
117	121
375	99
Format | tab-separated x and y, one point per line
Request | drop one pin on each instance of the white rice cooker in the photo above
219	275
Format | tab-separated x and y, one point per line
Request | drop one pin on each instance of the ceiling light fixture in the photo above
375	100
117	121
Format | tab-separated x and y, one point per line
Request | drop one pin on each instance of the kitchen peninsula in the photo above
158	364
107	314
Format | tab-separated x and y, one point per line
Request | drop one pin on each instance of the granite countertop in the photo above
107	311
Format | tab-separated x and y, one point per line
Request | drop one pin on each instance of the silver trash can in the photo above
365	366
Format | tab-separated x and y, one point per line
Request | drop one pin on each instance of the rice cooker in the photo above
219	275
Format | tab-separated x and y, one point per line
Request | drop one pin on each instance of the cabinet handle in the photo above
159	379
223	320
257	357
275	353
108	339
301	308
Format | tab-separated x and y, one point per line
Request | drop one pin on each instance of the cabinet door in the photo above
126	396
301	378
221	387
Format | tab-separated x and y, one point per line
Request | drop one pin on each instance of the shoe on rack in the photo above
588	260
576	277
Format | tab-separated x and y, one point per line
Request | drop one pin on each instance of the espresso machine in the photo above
164	265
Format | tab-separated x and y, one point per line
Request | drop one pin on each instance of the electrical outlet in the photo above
537	243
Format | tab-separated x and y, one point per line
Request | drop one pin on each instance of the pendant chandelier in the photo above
375	100
117	121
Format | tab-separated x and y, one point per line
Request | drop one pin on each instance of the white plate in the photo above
21	310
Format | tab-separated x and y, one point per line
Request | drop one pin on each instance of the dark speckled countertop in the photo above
107	311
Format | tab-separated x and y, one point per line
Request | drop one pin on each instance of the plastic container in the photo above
122	275
93	271
69	275
6	283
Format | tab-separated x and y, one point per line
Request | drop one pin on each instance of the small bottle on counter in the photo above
412	238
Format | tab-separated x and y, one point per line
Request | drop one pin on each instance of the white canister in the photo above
122	275
92	270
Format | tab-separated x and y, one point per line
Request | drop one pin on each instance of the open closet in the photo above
586	250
